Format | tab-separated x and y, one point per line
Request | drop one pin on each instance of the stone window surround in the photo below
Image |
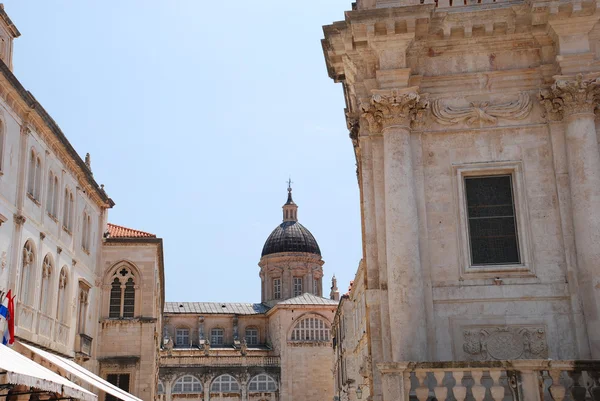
515	169
182	336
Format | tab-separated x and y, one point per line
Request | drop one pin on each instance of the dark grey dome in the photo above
291	236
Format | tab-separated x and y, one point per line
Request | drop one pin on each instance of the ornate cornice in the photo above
397	107
482	112
571	96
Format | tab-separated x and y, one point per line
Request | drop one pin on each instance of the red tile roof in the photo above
115	231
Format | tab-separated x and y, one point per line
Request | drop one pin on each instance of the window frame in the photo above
110	397
514	169
188	336
213	336
317	334
297	283
256	336
193	381
229	382
277	288
258	380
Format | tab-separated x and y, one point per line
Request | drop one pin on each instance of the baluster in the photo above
422	391
594	388
557	390
478	389
497	389
441	391
578	392
460	391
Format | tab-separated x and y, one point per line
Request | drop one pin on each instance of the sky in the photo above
196	113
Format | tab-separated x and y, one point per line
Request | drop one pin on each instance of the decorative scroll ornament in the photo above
395	107
482	112
568	97
505	343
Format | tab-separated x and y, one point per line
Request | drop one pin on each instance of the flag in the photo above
9	333
4	309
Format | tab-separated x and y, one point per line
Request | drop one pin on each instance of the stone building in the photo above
278	349
477	150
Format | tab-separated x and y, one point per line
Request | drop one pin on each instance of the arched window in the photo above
161	387
47	268
262	383
225	384
38	178
182	337
63	281
27	266
216	336
86	232
187	385
68	211
122	294
56	194
311	329
251	336
50	194
31	174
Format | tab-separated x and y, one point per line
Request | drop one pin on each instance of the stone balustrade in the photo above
518	380
175	360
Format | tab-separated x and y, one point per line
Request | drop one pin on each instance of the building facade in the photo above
476	140
278	349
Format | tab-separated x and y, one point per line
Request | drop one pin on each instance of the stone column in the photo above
206	385
575	100
394	110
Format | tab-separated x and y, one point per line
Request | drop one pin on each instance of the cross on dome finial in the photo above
290	209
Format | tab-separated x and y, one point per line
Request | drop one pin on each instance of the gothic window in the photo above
28	264
297	286
62	295
121	381
84	293
225	384
86	232
311	329
262	383
161	387
68	211
492	225
187	385
182	337
122	294
34	180
50	194
216	336
252	336
277	288
47	268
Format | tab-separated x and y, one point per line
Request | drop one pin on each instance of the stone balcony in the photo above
188	357
516	380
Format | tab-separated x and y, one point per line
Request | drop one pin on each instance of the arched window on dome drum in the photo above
225	384
122	294
187	384
311	329
262	383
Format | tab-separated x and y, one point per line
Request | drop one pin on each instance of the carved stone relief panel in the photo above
487	343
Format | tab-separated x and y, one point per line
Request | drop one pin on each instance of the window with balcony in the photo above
121	380
251	336
225	384
216	336
262	383
187	384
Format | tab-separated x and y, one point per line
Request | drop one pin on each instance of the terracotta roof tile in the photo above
115	231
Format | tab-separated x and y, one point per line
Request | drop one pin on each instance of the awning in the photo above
84	374
22	370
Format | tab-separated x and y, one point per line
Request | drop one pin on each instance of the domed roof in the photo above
291	236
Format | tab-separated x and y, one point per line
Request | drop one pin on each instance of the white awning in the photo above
84	374
22	370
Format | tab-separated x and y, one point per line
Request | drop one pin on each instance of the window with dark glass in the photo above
119	380
492	223
115	299
129	299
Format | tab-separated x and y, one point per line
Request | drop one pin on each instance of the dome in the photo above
291	236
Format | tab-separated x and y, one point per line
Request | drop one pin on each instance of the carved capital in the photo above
395	107
42	236
567	97
353	124
19	219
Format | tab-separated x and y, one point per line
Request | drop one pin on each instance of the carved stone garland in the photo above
567	97
393	108
505	343
482	112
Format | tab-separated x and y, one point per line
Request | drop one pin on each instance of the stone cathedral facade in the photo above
474	128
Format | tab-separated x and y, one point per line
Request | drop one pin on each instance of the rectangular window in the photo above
182	338
252	336
316	287
297	286
277	288
119	380
492	225
216	337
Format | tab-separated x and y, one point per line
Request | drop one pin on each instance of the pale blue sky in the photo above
195	114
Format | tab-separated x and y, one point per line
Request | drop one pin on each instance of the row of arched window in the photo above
49	283
34	184
188	384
